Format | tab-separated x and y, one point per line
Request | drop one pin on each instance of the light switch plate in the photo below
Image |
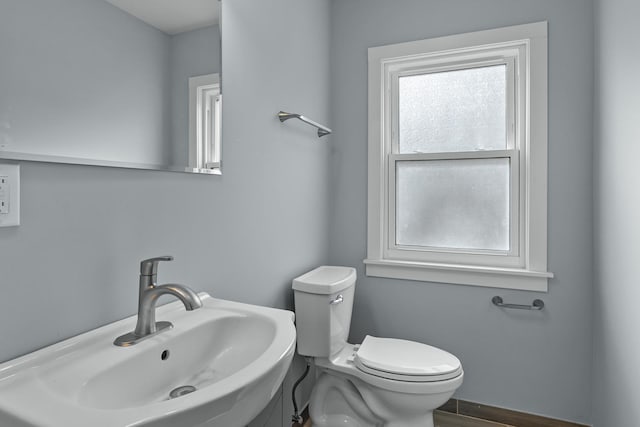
9	195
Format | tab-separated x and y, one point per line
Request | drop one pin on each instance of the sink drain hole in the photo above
164	355
181	391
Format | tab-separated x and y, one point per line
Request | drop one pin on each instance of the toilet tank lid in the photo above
325	280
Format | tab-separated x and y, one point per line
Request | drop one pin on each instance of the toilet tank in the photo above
323	305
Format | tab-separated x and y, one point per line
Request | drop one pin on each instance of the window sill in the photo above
206	171
492	277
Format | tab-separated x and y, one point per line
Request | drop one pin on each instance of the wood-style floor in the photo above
446	419
461	413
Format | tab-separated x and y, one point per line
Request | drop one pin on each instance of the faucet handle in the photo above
149	267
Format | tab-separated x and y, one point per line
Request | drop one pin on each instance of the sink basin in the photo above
218	366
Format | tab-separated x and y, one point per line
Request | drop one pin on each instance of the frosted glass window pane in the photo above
457	204
462	110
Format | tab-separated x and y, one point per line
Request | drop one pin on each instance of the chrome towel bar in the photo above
322	130
538	304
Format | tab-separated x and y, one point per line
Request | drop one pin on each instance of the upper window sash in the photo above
511	58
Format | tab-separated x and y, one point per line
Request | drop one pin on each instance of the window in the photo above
458	159
204	123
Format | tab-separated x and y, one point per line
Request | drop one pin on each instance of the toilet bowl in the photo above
382	382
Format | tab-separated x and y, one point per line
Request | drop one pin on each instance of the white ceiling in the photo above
172	16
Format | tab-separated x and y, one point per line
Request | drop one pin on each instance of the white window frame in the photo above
205	125
523	49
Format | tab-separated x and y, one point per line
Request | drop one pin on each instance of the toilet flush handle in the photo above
337	301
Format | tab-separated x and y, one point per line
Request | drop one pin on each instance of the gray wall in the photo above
73	263
536	362
82	79
193	53
275	57
274	213
617	344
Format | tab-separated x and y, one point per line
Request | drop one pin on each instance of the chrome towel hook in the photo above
538	304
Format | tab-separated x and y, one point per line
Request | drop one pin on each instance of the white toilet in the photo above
382	382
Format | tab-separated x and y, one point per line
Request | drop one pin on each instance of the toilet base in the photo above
338	400
424	421
346	421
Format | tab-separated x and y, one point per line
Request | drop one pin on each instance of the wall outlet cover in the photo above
9	195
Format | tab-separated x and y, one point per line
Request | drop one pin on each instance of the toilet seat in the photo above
403	360
343	363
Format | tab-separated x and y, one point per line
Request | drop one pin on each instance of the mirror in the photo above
123	83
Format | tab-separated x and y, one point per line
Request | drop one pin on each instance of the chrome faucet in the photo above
147	299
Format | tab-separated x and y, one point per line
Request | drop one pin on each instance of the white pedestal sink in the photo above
224	363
